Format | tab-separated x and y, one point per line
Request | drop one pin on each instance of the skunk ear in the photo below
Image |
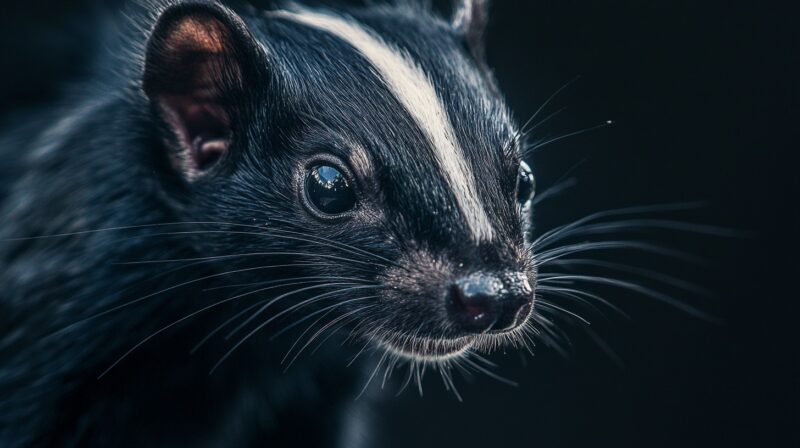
469	20
200	58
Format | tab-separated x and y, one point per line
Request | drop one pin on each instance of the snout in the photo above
488	303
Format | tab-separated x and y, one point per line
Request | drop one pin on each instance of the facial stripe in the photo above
414	90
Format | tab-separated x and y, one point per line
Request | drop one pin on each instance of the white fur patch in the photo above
414	90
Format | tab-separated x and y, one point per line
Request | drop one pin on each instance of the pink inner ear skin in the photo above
192	68
202	130
208	151
192	34
197	116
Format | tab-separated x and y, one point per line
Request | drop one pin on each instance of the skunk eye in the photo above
328	190
526	183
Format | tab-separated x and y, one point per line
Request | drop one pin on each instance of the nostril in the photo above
473	306
470	310
513	310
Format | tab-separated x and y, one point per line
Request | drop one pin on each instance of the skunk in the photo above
231	190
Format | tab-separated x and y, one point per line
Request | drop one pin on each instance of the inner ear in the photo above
470	19
194	73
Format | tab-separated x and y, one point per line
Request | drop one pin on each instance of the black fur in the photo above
106	240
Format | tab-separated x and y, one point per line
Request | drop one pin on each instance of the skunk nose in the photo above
481	303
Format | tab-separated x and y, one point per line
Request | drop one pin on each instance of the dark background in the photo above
704	98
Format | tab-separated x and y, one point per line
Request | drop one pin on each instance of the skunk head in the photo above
369	151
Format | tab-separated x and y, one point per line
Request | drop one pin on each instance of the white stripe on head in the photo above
414	90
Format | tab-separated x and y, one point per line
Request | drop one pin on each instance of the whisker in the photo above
316	239
644	224
541	122
268	321
377	367
616	212
546	102
551	335
577	295
488	372
555	190
641	290
188	316
408	379
363	348
334	330
278	299
324	311
312	315
645	273
223	325
448	379
113	229
319	332
270	282
560	252
161	330
547	304
244	311
351	247
389	369
250	254
151	295
419	371
530	150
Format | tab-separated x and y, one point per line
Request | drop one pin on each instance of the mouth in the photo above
427	349
445	348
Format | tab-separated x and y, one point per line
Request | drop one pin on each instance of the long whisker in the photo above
616	212
579	296
340	325
285	234
270	282
555	190
297	235
114	229
444	370
645	273
560	252
268	321
530	150
544	120
278	299
151	295
549	99
643	224
350	247
250	254
188	316
551	335
487	372
374	372
641	290
547	304
228	322
393	361
325	310
319	332
317	238
224	324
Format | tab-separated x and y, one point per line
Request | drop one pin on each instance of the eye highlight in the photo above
526	183
328	192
